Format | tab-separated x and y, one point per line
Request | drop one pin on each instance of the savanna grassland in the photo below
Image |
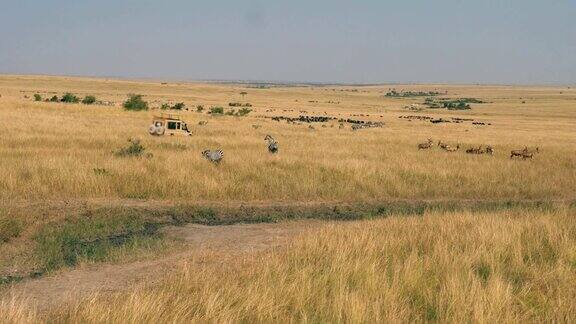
430	235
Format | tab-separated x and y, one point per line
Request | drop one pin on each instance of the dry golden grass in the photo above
508	266
50	150
512	266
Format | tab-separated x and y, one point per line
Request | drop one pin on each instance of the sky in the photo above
448	41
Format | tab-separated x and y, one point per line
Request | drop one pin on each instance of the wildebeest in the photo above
425	145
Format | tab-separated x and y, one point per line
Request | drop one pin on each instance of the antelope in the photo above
519	153
449	148
442	145
426	145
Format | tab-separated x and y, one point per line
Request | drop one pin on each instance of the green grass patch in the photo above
91	237
9	228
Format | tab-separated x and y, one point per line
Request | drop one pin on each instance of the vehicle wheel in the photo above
160	130
152	130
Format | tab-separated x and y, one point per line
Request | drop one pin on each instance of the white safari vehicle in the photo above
168	124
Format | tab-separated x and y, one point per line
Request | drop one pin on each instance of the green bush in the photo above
165	106
70	98
134	148
88	100
179	106
199	108
243	112
216	110
54	98
37	97
135	103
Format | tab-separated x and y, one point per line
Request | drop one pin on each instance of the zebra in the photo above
272	144
213	156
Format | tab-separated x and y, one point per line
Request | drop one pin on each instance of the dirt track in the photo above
53	290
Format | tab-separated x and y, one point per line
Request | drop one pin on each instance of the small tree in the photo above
243	93
88	100
135	103
70	98
37	97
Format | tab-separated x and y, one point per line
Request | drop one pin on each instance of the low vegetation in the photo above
239	104
135	103
216	110
90	238
451	104
134	148
490	267
407	94
89	100
69	98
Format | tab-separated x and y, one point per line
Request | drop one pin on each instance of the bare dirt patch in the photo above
238	239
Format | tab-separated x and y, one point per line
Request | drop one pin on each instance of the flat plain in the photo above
431	234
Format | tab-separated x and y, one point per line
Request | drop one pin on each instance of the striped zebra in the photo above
213	156
272	144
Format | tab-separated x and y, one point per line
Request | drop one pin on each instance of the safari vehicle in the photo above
168	124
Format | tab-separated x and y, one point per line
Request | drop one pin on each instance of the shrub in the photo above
217	110
70	98
243	112
165	106
230	112
135	103
88	100
179	106
37	97
199	108
54	98
134	148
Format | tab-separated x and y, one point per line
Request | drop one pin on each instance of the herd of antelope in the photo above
524	153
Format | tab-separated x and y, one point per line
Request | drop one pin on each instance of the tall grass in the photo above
49	152
456	267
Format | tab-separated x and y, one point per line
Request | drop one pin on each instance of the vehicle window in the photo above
171	125
184	127
177	125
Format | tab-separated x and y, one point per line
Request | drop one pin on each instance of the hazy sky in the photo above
516	41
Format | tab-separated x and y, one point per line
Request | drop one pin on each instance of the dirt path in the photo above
238	239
